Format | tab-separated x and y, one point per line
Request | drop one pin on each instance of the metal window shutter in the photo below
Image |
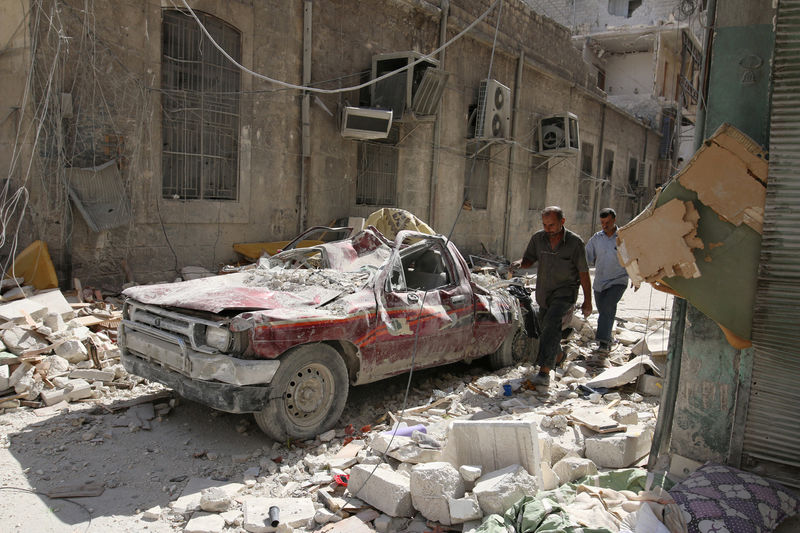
771	441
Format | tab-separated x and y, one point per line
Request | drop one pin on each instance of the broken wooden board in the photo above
77	490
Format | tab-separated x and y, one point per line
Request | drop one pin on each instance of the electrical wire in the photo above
38	493
311	89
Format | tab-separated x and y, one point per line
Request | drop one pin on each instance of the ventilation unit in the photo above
493	117
418	89
558	134
366	123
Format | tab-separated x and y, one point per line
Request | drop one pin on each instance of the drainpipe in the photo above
666	412
598	185
513	150
437	126
305	118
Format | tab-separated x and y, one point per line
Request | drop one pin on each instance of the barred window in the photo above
200	108
476	176
376	181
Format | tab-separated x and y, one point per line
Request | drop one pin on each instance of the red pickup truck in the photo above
287	338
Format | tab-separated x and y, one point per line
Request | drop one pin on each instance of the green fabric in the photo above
544	513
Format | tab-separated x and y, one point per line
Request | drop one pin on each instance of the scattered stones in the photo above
499	490
385	490
432	486
572	468
214	500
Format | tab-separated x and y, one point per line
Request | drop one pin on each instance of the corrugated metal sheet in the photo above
771	443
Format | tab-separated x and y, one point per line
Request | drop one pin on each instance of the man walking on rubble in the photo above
610	278
561	256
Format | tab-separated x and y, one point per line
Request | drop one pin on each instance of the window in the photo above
608	173
623	8
585	180
601	79
376	182
200	109
633	172
538	185
476	175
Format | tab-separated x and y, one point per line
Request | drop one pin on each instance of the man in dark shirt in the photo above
561	256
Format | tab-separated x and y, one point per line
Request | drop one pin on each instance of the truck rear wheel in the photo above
516	349
309	392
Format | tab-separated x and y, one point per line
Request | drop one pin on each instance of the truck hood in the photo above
256	289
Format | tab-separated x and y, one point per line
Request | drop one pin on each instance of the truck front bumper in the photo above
220	396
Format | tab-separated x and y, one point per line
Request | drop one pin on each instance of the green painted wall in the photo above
711	370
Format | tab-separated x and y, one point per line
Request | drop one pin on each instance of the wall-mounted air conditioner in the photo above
419	88
366	123
493	116
558	134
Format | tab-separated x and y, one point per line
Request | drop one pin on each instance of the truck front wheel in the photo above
309	392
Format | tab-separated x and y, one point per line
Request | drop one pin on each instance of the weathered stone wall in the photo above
115	86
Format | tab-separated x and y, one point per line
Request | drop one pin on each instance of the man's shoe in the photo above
603	349
541	380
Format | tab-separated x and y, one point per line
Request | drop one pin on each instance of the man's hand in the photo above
586	308
516	265
634	287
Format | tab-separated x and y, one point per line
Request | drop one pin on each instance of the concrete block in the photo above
78	389
499	490
626	416
494	444
295	512
619	450
73	351
56	365
205	523
24	369
576	371
569	442
572	468
214	500
470	472
386	490
55	322
464	509
189	500
323	516
53	396
348	525
650	385
432	486
4	375
18	340
382	523
93	374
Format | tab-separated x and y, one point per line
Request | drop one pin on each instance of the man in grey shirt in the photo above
562	268
610	278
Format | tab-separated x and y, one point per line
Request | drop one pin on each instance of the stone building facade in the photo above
206	155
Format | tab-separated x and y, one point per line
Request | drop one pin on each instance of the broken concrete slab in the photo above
92	374
676	224
464	509
18	293
205	523
619	450
18	341
37	306
650	385
385	490
4	377
73	351
189	500
494	444
470	472
214	500
349	525
655	343
499	490
550	480
432	486
294	512
621	375
572	468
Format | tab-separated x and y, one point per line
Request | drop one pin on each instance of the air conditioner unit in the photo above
493	116
419	88
558	134
366	123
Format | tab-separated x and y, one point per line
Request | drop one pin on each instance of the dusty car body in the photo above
286	339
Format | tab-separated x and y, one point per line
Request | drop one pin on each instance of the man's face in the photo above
552	224
608	222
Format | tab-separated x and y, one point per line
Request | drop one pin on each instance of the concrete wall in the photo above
628	74
587	16
115	83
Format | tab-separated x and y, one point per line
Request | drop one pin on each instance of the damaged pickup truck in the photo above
286	339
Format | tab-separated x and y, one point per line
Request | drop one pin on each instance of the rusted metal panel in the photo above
771	441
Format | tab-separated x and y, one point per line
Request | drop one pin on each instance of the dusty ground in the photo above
138	468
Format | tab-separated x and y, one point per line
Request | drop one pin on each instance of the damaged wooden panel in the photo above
729	175
673	226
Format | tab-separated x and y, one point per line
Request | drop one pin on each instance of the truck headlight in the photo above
219	338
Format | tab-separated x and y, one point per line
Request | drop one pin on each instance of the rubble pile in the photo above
53	352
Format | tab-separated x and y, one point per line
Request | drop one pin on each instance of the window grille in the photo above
376	182
538	186
200	108
476	176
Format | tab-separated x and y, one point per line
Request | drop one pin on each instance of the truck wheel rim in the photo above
309	395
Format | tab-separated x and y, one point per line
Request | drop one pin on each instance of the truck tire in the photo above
308	394
517	348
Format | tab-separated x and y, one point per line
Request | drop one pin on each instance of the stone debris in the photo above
499	490
432	486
